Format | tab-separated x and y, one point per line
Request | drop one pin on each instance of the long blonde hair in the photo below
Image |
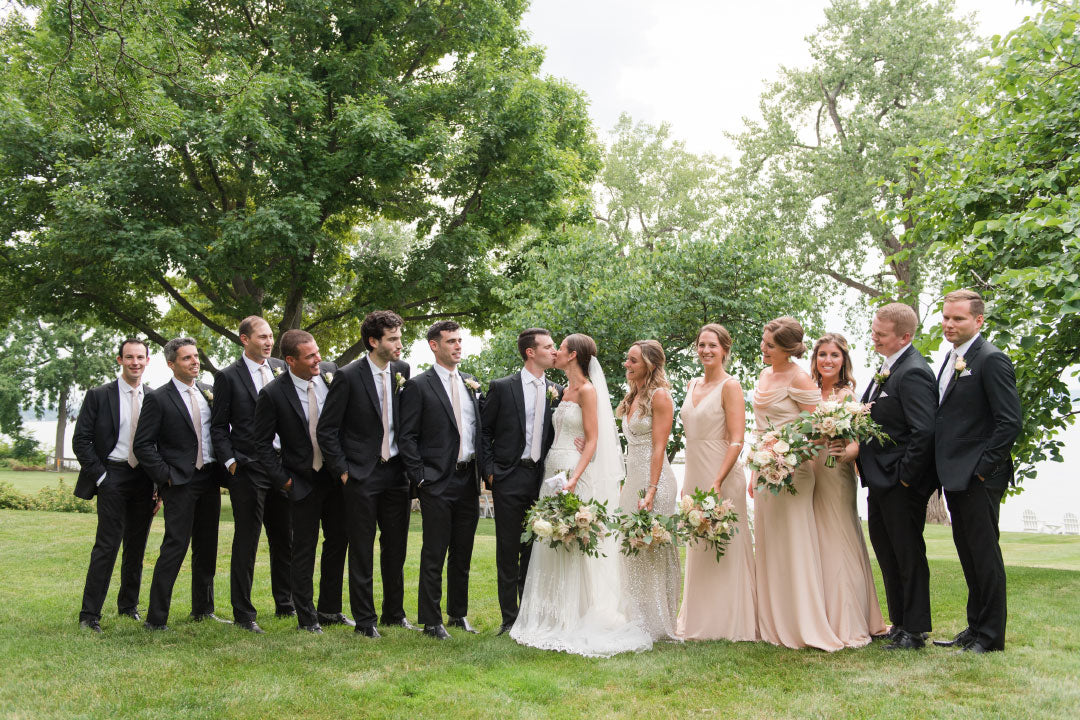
652	354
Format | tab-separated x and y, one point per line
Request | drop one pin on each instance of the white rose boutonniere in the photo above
276	370
328	377
553	394
472	385
960	365
881	376
208	395
399	381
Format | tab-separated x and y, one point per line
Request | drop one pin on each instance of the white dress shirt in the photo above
254	369
888	363
123	434
301	391
528	389
204	415
377	375
950	369
468	415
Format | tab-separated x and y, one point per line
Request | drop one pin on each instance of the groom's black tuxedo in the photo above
516	481
448	490
978	420
377	491
901	479
255	502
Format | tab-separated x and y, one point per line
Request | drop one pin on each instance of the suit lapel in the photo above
245	377
181	403
519	400
368	381
968	357
892	371
114	406
549	408
395	373
293	398
440	392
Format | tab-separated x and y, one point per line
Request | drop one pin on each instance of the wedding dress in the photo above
571	601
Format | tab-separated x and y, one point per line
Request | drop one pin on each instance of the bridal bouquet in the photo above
837	420
702	516
775	453
564	520
645	530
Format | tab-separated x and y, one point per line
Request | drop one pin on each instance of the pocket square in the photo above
883	395
966	373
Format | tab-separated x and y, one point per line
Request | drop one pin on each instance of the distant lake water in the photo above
1052	493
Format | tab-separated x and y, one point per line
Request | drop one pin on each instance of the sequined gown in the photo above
790	588
719	597
573	602
650	579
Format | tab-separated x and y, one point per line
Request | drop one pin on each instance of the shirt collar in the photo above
962	350
891	360
444	374
182	387
252	366
528	378
375	368
299	382
124	387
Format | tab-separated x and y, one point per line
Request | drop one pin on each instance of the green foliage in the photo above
1002	205
12	499
57	498
308	161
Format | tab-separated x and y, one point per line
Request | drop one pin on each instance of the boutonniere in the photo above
472	385
328	377
399	381
960	365
276	370
881	376
553	394
208	395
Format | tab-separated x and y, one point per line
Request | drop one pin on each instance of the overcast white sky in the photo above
699	65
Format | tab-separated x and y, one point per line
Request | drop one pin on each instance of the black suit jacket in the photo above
278	412
503	425
96	433
232	423
350	427
428	437
166	440
904	407
978	420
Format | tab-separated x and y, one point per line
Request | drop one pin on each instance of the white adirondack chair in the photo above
1031	523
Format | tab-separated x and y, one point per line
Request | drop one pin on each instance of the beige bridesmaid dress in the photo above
719	598
851	601
790	588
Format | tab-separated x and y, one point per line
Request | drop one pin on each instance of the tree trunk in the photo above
935	510
61	426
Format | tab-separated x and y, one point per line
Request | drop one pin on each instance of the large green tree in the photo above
883	74
176	166
1003	206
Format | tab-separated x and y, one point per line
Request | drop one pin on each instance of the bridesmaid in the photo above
719	598
650	578
851	601
791	594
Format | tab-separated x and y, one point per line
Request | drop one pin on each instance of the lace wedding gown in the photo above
571	601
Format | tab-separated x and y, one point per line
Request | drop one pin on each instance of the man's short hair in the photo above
902	317
292	340
248	324
376	324
435	331
132	341
173	347
527	340
978	307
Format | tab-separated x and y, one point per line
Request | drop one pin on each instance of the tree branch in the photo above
850	282
194	311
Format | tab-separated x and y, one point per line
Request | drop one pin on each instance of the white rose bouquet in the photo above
842	420
775	453
645	530
564	520
703	517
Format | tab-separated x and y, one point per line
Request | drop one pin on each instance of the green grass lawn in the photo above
207	670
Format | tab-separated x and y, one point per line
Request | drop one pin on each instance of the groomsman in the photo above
358	436
978	419
442	449
900	474
254	501
289	408
173	444
125	507
517	432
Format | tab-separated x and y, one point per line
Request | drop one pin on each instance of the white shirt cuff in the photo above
101	479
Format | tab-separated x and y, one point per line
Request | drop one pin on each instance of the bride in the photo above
571	601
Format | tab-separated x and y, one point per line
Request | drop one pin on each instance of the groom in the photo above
517	432
978	419
900	474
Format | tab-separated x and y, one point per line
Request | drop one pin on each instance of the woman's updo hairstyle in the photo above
787	335
585	347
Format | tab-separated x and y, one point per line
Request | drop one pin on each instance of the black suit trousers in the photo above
450	511
379	501
513	493
896	518
975	532
324	506
255	504
192	512
125	508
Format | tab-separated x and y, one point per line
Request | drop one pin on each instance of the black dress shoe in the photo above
286	613
368	631
155	628
906	641
315	629
436	631
251	626
133	614
462	623
976	647
504	628
402	623
199	617
888	634
92	625
335	619
962	639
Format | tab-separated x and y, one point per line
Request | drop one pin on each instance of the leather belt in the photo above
465	465
528	463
